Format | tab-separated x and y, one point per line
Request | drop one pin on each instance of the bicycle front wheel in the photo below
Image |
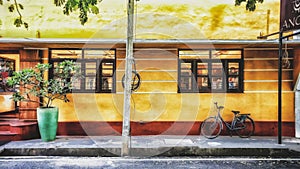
211	127
244	128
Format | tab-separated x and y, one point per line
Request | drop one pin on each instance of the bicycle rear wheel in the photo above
244	127
211	127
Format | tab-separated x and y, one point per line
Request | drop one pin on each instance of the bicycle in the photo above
242	124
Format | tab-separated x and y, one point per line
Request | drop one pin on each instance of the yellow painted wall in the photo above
174	107
6	104
171	19
157	98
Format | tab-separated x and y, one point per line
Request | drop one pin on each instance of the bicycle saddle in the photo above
235	112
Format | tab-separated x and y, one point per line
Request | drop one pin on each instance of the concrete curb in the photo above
163	146
1	150
147	152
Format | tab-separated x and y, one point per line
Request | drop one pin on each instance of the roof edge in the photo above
110	41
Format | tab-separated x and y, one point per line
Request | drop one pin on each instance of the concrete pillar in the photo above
297	113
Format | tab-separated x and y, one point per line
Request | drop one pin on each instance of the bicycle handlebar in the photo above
218	107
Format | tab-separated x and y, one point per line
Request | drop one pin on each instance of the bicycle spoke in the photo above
244	127
211	127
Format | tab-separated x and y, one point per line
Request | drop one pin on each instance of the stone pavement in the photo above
160	145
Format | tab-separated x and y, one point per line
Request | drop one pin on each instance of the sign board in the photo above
289	15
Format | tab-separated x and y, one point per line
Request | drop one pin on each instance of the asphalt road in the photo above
146	163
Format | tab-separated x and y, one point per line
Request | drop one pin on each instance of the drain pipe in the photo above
297	113
297	107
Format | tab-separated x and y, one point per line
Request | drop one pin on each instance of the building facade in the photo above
180	81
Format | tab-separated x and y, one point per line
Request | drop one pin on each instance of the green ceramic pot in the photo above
47	122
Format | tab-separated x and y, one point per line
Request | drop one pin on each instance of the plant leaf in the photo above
26	25
18	22
11	8
59	2
21	6
94	9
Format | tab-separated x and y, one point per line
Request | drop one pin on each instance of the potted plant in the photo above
33	83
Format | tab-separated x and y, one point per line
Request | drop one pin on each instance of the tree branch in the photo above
17	8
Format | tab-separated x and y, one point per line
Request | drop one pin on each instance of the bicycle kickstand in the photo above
230	132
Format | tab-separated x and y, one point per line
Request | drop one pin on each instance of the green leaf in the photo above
250	4
18	97
1	2
84	7
11	8
83	18
26	25
92	2
238	2
59	2
18	22
70	6
43	67
94	9
21	6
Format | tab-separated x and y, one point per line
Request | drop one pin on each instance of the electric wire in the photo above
285	62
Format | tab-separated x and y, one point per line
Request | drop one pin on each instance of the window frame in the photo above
209	61
6	71
83	61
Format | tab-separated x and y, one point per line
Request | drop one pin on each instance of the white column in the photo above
128	77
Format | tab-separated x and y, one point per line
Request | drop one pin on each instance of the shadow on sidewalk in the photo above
3	142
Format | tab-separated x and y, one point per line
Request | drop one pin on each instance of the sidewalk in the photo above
148	146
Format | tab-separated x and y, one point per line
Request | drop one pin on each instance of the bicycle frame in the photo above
223	121
241	124
229	126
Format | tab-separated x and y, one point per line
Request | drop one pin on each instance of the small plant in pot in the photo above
32	84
